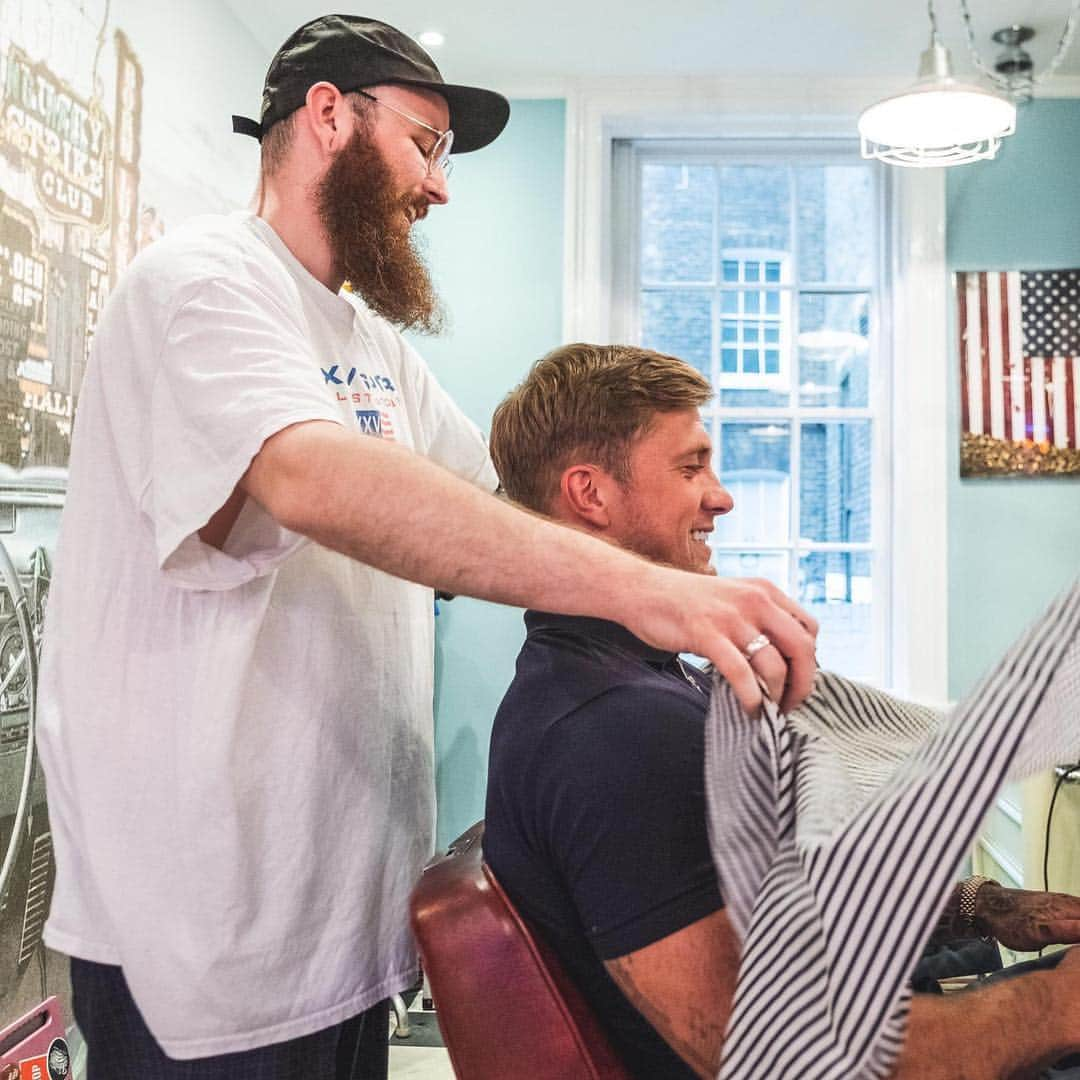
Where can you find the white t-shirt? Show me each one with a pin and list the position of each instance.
(238, 744)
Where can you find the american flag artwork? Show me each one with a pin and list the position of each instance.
(1019, 372)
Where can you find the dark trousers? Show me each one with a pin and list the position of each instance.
(120, 1046)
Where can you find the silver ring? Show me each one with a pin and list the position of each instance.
(755, 646)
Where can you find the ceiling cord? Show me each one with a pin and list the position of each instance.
(1003, 81)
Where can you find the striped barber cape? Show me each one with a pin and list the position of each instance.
(837, 831)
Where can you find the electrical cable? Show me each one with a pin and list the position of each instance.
(1069, 770)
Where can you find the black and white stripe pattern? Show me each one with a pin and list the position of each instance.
(836, 834)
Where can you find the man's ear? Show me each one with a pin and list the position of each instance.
(585, 491)
(325, 110)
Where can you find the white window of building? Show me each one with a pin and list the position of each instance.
(761, 264)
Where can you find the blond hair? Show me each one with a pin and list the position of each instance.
(585, 402)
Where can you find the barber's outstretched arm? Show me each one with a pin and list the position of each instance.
(392, 509)
(684, 985)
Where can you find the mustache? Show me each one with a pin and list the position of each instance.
(368, 227)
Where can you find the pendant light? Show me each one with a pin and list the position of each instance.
(938, 121)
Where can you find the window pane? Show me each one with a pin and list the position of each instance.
(834, 487)
(752, 399)
(773, 363)
(836, 224)
(727, 250)
(771, 565)
(834, 349)
(677, 212)
(755, 210)
(754, 464)
(679, 323)
(835, 587)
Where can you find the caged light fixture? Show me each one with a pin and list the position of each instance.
(938, 121)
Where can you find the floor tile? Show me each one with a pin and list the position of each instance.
(419, 1063)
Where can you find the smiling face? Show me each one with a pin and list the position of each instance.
(666, 510)
(404, 144)
(374, 189)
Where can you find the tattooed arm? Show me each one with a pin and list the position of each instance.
(683, 985)
(1020, 919)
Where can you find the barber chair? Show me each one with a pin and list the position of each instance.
(506, 1008)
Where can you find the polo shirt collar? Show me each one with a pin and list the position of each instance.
(603, 630)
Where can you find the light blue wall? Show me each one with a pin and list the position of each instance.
(498, 249)
(1013, 543)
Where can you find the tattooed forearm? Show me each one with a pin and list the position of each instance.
(1018, 918)
(1027, 920)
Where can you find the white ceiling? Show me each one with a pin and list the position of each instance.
(518, 48)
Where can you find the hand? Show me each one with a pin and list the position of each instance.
(1026, 921)
(717, 618)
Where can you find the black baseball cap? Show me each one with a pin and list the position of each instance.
(352, 51)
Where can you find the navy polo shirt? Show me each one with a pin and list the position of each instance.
(595, 823)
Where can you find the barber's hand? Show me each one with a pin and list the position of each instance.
(723, 619)
(1026, 921)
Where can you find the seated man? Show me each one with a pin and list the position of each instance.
(596, 816)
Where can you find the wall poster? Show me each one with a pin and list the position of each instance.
(69, 174)
(1019, 372)
(70, 116)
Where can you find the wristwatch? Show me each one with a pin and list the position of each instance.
(968, 890)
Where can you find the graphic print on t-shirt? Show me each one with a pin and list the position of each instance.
(374, 398)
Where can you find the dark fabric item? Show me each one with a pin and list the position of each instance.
(121, 1047)
(595, 817)
(1025, 967)
(965, 956)
(352, 52)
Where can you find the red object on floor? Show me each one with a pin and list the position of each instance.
(34, 1047)
(504, 1004)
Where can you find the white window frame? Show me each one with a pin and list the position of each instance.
(916, 534)
(628, 284)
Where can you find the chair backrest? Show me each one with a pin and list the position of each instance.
(506, 1008)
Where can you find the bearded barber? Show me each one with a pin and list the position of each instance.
(266, 482)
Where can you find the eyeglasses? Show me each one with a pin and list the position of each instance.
(438, 157)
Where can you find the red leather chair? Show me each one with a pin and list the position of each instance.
(506, 1008)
